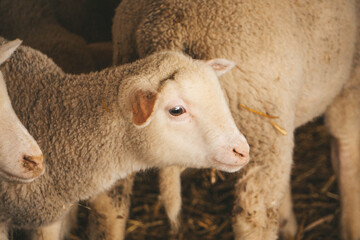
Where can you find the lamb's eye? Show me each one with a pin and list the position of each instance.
(177, 111)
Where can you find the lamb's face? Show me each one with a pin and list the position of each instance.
(192, 125)
(20, 156)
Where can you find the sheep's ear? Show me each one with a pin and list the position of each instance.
(142, 106)
(7, 49)
(220, 65)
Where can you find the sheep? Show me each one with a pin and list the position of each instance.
(21, 159)
(294, 61)
(35, 23)
(97, 128)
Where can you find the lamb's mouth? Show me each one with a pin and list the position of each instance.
(231, 167)
(13, 177)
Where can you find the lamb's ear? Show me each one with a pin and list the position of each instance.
(142, 106)
(7, 49)
(220, 65)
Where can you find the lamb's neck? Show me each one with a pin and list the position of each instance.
(90, 132)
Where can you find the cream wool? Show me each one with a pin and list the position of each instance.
(88, 146)
(293, 58)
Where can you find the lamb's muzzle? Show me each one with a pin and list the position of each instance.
(232, 157)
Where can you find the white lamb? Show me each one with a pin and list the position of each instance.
(20, 157)
(97, 128)
(295, 61)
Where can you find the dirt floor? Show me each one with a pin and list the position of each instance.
(207, 207)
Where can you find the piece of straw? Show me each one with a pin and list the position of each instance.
(104, 105)
(257, 112)
(275, 125)
(213, 176)
(318, 222)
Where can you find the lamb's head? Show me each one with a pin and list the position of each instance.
(182, 118)
(20, 156)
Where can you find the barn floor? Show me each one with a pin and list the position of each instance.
(207, 207)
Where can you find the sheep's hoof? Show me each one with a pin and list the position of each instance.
(288, 228)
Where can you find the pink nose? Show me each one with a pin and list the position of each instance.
(242, 153)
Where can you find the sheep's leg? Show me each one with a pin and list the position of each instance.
(57, 230)
(263, 182)
(343, 120)
(49, 232)
(288, 225)
(170, 191)
(69, 221)
(109, 212)
(4, 231)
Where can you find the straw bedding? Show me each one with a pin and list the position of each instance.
(207, 207)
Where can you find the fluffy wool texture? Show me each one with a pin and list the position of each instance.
(293, 58)
(34, 21)
(83, 124)
(64, 113)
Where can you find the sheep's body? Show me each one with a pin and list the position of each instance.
(275, 33)
(20, 156)
(35, 22)
(293, 59)
(84, 124)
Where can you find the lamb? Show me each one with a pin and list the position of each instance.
(99, 127)
(294, 61)
(21, 159)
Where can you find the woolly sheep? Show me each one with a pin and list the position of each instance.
(35, 23)
(20, 156)
(294, 61)
(97, 128)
